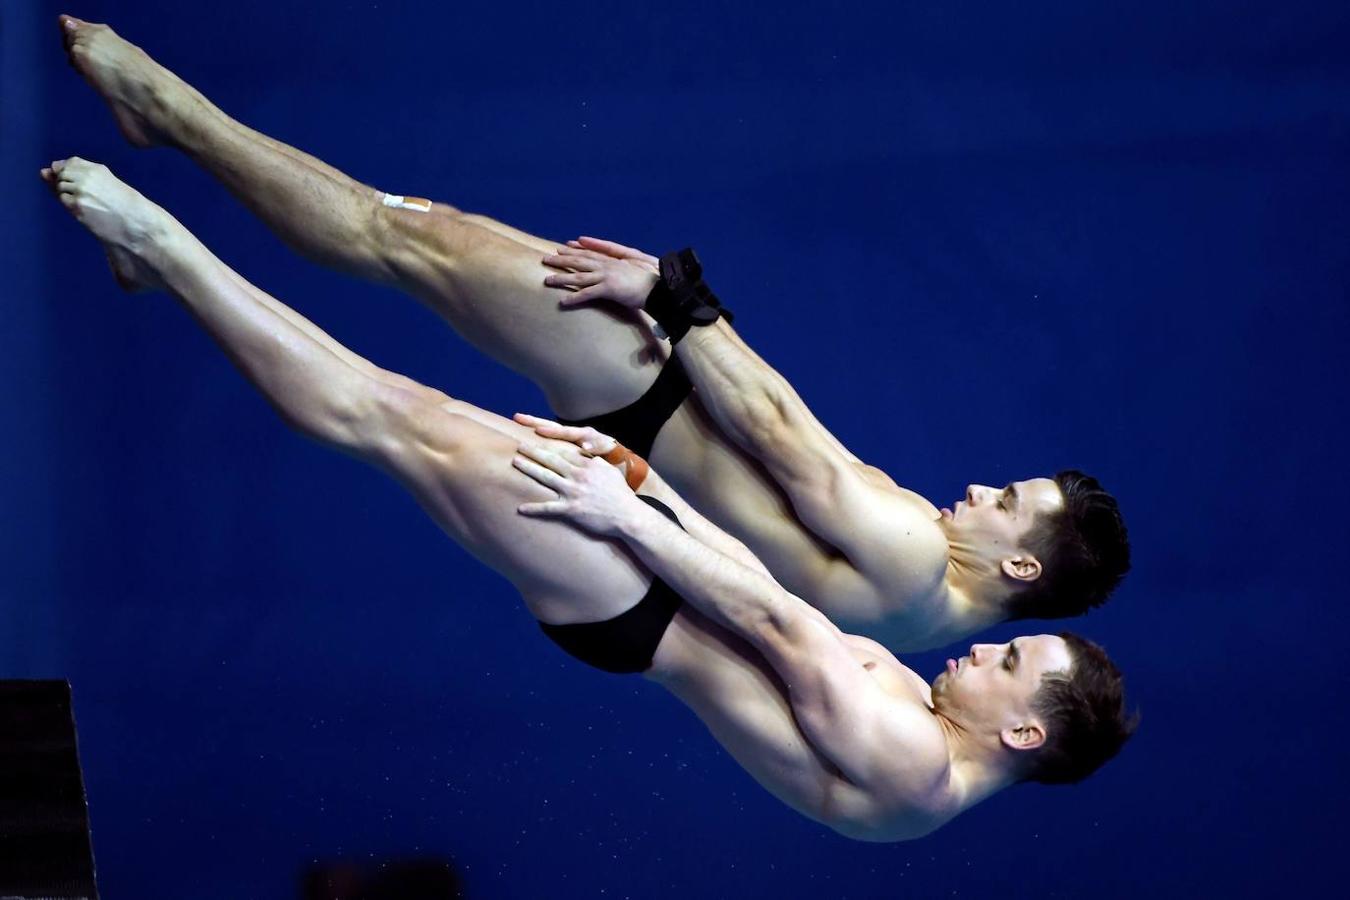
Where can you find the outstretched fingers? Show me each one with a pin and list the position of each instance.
(574, 279)
(552, 471)
(616, 250)
(554, 461)
(584, 436)
(568, 259)
(534, 421)
(582, 276)
(543, 508)
(547, 427)
(542, 474)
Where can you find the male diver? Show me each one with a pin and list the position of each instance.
(830, 723)
(743, 447)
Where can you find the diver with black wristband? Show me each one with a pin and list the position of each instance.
(681, 299)
(713, 417)
(954, 571)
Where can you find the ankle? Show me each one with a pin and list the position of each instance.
(162, 244)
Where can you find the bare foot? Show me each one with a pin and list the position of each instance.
(140, 92)
(118, 215)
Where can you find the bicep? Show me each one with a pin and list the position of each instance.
(881, 744)
(883, 536)
(835, 701)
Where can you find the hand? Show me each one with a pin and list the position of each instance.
(591, 442)
(591, 493)
(603, 270)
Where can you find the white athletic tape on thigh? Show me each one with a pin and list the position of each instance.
(417, 204)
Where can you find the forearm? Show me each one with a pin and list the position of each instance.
(741, 392)
(748, 398)
(832, 698)
(746, 601)
(310, 387)
(698, 526)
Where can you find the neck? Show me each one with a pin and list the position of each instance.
(976, 592)
(979, 764)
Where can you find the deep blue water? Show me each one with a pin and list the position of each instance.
(984, 241)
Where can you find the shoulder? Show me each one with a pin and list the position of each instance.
(897, 513)
(910, 744)
(891, 582)
(922, 768)
(907, 552)
(910, 793)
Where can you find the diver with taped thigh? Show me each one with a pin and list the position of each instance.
(722, 425)
(830, 723)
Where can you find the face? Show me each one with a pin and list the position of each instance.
(990, 525)
(990, 690)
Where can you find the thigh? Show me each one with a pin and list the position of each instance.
(457, 464)
(738, 494)
(487, 280)
(542, 246)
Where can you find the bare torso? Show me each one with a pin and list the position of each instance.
(905, 607)
(457, 463)
(747, 708)
(486, 279)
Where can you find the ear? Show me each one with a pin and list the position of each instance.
(1021, 568)
(1027, 736)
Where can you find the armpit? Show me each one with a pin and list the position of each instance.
(876, 477)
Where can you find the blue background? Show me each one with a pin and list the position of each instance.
(983, 240)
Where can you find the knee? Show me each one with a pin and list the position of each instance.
(477, 220)
(413, 220)
(411, 386)
(391, 423)
(415, 245)
(417, 422)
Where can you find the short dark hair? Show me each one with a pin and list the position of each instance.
(1083, 712)
(1084, 552)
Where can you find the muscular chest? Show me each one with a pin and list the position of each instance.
(895, 678)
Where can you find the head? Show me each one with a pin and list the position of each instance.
(1052, 705)
(1055, 547)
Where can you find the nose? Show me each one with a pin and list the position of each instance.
(976, 651)
(975, 493)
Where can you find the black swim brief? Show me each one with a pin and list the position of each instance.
(626, 643)
(636, 425)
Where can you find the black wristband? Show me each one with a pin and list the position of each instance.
(681, 299)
